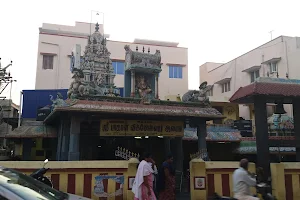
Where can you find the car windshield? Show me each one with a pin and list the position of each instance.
(27, 187)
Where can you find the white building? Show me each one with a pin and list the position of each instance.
(56, 43)
(279, 57)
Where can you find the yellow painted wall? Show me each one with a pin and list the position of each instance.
(198, 168)
(38, 146)
(79, 168)
(18, 149)
(286, 174)
(230, 110)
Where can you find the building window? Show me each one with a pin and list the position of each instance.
(254, 75)
(273, 67)
(226, 87)
(210, 92)
(118, 67)
(48, 61)
(175, 72)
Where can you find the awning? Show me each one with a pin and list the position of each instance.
(249, 147)
(272, 60)
(32, 129)
(222, 81)
(214, 133)
(251, 69)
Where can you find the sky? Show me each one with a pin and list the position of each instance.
(212, 30)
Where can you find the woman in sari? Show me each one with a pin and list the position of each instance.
(166, 180)
(143, 182)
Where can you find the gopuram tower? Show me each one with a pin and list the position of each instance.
(95, 75)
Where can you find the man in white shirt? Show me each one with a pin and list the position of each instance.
(242, 181)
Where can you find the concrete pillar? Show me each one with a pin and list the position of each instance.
(201, 133)
(65, 140)
(27, 145)
(179, 154)
(132, 83)
(156, 86)
(296, 114)
(131, 172)
(278, 180)
(59, 141)
(198, 170)
(74, 139)
(262, 136)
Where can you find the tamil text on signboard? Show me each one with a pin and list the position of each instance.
(141, 128)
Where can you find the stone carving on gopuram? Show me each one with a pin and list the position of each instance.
(198, 96)
(95, 76)
(135, 59)
(60, 102)
(144, 68)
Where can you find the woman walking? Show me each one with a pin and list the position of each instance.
(143, 182)
(166, 180)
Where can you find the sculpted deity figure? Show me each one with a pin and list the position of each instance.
(197, 95)
(143, 88)
(74, 86)
(111, 93)
(202, 94)
(58, 102)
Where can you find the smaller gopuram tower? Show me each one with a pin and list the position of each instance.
(141, 74)
(95, 75)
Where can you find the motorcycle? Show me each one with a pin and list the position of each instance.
(39, 175)
(263, 192)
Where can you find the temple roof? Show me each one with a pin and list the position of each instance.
(249, 147)
(220, 133)
(32, 129)
(271, 88)
(292, 138)
(138, 109)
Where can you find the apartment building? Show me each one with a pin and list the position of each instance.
(279, 57)
(56, 43)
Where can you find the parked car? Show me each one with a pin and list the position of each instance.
(15, 185)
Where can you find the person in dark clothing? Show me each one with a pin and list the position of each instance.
(166, 180)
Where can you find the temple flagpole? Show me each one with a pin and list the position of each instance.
(97, 13)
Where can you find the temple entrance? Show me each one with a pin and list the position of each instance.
(95, 147)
